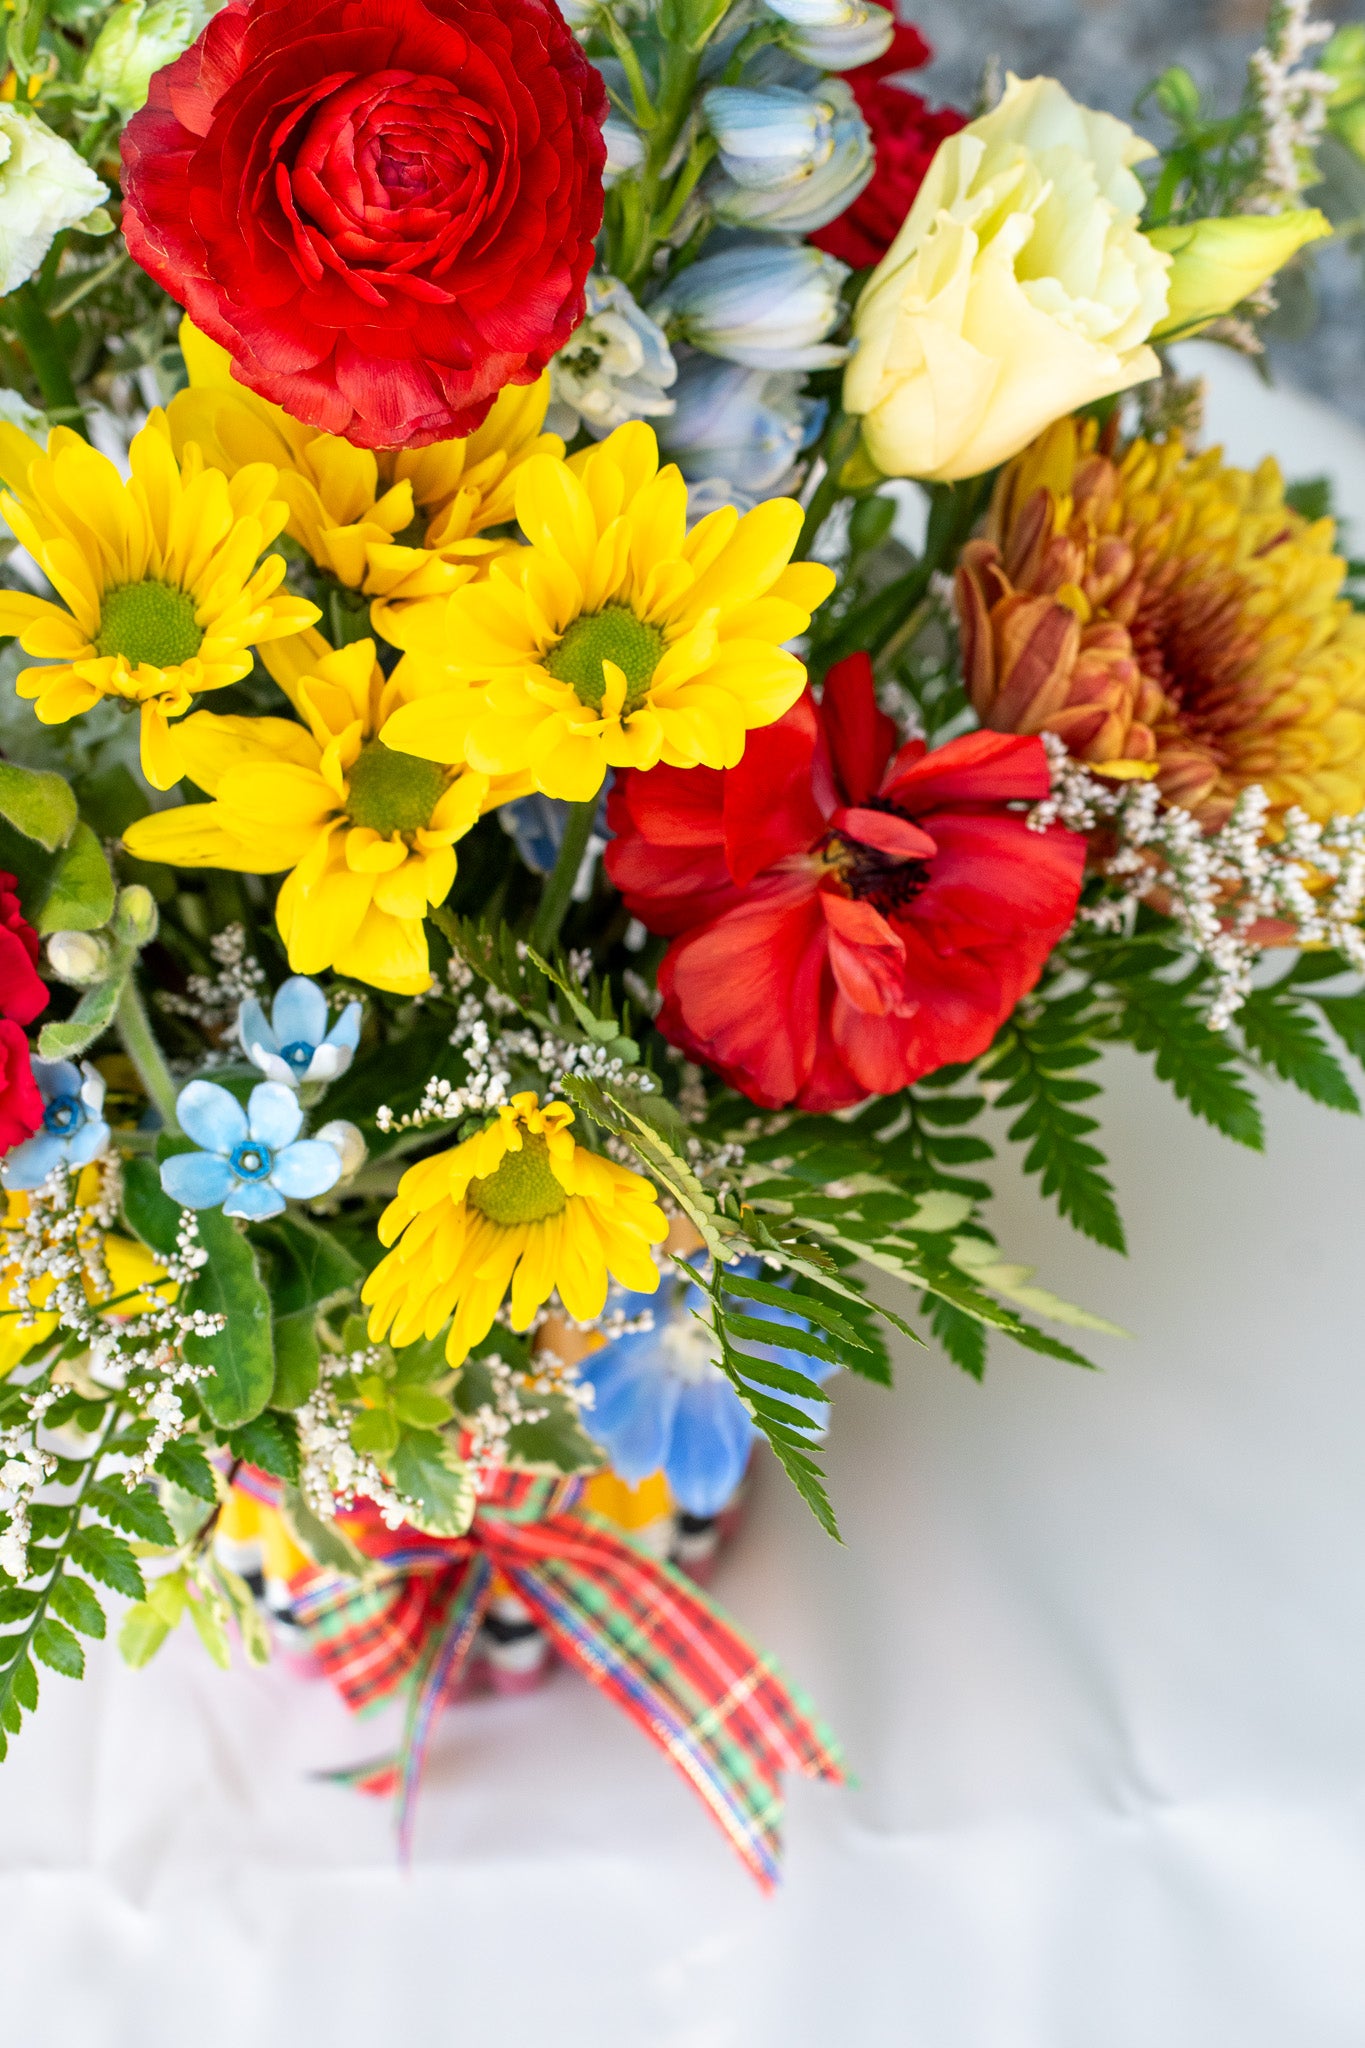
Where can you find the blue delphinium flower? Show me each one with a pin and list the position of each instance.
(295, 1045)
(73, 1129)
(251, 1158)
(661, 1400)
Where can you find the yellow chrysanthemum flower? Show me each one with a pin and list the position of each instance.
(117, 1270)
(163, 595)
(616, 638)
(1167, 615)
(368, 832)
(520, 1204)
(402, 524)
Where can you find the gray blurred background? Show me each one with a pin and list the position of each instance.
(1105, 52)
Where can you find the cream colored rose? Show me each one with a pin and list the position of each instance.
(1018, 288)
(44, 187)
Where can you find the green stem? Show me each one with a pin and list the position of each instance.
(139, 1042)
(841, 438)
(47, 358)
(558, 894)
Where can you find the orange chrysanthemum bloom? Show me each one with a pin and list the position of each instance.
(1166, 615)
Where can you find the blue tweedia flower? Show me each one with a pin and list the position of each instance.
(73, 1130)
(295, 1045)
(251, 1158)
(661, 1400)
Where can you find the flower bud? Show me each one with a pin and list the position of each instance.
(78, 958)
(745, 427)
(768, 306)
(793, 161)
(137, 40)
(835, 35)
(137, 917)
(45, 187)
(348, 1143)
(1218, 263)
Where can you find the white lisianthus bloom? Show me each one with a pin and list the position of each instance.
(44, 187)
(615, 366)
(137, 40)
(1019, 288)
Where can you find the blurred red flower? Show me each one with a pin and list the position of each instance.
(383, 209)
(21, 1106)
(22, 994)
(905, 131)
(847, 917)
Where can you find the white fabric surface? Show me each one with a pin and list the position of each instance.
(1094, 1646)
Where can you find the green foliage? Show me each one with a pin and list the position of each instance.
(1036, 1056)
(80, 895)
(241, 1355)
(1279, 1032)
(37, 804)
(1165, 1017)
(270, 1441)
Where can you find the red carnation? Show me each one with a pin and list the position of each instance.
(849, 917)
(905, 131)
(383, 209)
(22, 994)
(21, 1106)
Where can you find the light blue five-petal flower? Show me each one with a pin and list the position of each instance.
(73, 1130)
(294, 1045)
(251, 1158)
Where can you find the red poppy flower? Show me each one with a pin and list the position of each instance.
(905, 132)
(22, 994)
(383, 209)
(848, 917)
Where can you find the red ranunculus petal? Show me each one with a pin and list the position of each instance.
(21, 1105)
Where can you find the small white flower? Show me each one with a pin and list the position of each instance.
(615, 366)
(44, 188)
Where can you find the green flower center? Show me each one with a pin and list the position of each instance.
(611, 635)
(149, 622)
(523, 1190)
(393, 792)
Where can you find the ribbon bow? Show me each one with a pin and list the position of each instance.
(718, 1708)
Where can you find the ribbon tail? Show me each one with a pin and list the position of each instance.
(439, 1664)
(379, 1779)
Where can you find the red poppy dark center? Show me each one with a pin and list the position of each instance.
(879, 875)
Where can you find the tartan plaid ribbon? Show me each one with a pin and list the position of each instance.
(720, 1710)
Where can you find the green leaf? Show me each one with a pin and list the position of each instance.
(16, 1604)
(209, 1615)
(74, 1601)
(1035, 1057)
(419, 1408)
(80, 896)
(106, 1557)
(961, 1335)
(184, 1464)
(622, 1112)
(428, 1470)
(982, 1263)
(808, 1303)
(311, 1266)
(142, 1634)
(270, 1441)
(250, 1626)
(92, 1016)
(296, 1358)
(784, 1336)
(762, 1372)
(38, 804)
(137, 1513)
(1346, 1015)
(1280, 1033)
(374, 1432)
(242, 1356)
(1161, 1018)
(147, 1208)
(323, 1541)
(56, 1647)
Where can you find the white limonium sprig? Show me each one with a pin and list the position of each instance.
(1291, 99)
(333, 1474)
(1218, 887)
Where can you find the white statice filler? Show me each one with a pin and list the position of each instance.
(44, 188)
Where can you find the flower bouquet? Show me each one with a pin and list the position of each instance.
(684, 645)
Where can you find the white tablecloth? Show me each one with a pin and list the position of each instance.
(1096, 1647)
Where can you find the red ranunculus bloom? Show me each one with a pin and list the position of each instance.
(905, 131)
(848, 917)
(383, 209)
(21, 1106)
(22, 994)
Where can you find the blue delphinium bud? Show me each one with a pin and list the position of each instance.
(768, 305)
(791, 160)
(835, 35)
(742, 427)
